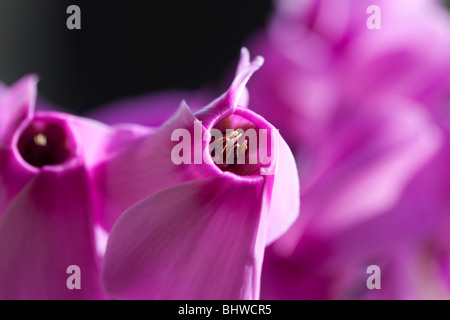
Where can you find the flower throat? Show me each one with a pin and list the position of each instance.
(45, 143)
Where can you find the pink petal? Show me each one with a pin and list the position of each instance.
(98, 142)
(228, 102)
(244, 62)
(13, 177)
(285, 201)
(144, 168)
(197, 240)
(372, 161)
(16, 104)
(47, 228)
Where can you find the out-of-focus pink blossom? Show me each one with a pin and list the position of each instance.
(48, 214)
(363, 111)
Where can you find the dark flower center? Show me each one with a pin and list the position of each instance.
(45, 143)
(234, 146)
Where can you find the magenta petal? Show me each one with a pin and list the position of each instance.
(47, 228)
(228, 102)
(245, 70)
(98, 142)
(16, 104)
(142, 169)
(375, 165)
(244, 63)
(285, 201)
(197, 240)
(13, 177)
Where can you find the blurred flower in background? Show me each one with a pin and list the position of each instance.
(47, 219)
(366, 113)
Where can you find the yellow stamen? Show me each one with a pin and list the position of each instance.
(229, 146)
(242, 148)
(40, 140)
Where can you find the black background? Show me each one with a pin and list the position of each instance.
(124, 48)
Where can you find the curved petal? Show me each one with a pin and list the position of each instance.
(13, 177)
(197, 240)
(371, 169)
(99, 142)
(228, 102)
(285, 200)
(145, 167)
(16, 104)
(244, 62)
(47, 228)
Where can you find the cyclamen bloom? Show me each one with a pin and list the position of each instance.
(200, 231)
(46, 221)
(48, 214)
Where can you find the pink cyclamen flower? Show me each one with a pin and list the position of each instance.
(199, 230)
(47, 210)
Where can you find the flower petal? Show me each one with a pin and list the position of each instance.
(144, 168)
(197, 240)
(47, 228)
(228, 102)
(97, 141)
(16, 104)
(13, 177)
(285, 201)
(359, 176)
